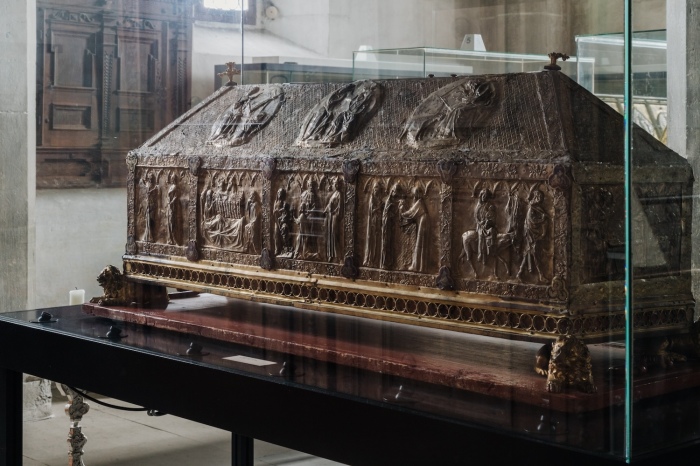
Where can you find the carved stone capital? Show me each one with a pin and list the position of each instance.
(558, 289)
(265, 259)
(350, 170)
(194, 164)
(192, 253)
(268, 167)
(349, 269)
(131, 246)
(444, 279)
(447, 170)
(131, 161)
(559, 178)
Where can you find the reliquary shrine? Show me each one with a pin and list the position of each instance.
(488, 204)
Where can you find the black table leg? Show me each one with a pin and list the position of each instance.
(241, 450)
(11, 418)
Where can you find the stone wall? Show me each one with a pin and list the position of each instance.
(17, 153)
(78, 232)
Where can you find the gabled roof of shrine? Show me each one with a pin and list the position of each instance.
(521, 117)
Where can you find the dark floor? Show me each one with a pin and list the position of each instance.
(116, 437)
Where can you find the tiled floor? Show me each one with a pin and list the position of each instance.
(119, 438)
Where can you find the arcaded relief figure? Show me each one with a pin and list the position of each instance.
(247, 116)
(284, 219)
(390, 215)
(490, 246)
(418, 216)
(149, 206)
(534, 231)
(374, 226)
(307, 244)
(333, 223)
(340, 115)
(485, 218)
(231, 215)
(170, 209)
(449, 115)
(252, 229)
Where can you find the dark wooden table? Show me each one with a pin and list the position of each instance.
(352, 390)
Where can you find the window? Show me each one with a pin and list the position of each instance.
(225, 4)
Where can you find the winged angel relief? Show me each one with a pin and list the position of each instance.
(247, 116)
(447, 116)
(338, 117)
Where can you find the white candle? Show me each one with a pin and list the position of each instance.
(76, 296)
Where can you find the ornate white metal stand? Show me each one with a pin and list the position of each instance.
(75, 409)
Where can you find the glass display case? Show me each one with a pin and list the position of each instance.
(604, 75)
(495, 238)
(424, 61)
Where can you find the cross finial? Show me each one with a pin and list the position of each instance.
(553, 57)
(231, 71)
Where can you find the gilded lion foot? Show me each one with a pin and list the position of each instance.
(567, 363)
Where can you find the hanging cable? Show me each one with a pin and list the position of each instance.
(150, 412)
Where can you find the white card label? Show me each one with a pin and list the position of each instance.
(251, 361)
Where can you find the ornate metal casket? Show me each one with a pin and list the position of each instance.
(488, 204)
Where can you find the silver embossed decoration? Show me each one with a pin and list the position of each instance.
(448, 116)
(248, 115)
(340, 115)
(492, 204)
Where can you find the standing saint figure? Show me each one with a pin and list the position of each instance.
(374, 225)
(485, 216)
(418, 215)
(333, 223)
(283, 223)
(150, 206)
(253, 213)
(170, 208)
(305, 247)
(535, 228)
(389, 216)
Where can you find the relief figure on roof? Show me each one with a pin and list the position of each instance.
(447, 116)
(339, 116)
(247, 116)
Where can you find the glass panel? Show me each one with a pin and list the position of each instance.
(419, 168)
(662, 218)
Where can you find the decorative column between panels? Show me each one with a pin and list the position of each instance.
(194, 163)
(350, 170)
(447, 169)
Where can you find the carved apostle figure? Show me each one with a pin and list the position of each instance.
(333, 223)
(418, 215)
(247, 116)
(449, 115)
(252, 228)
(534, 230)
(389, 217)
(374, 225)
(306, 242)
(339, 116)
(283, 223)
(485, 217)
(150, 206)
(170, 205)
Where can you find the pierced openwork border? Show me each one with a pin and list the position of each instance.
(468, 318)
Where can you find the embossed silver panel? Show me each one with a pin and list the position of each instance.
(490, 204)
